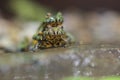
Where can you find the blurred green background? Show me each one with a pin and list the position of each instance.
(28, 9)
(23, 9)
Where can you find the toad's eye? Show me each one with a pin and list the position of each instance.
(51, 20)
(59, 19)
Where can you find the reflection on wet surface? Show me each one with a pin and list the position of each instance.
(55, 64)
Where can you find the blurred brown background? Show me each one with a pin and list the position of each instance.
(82, 4)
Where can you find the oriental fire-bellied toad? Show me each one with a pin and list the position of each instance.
(51, 33)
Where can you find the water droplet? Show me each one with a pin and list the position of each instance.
(92, 65)
(46, 76)
(109, 52)
(76, 62)
(118, 50)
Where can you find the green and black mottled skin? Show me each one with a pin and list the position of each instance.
(50, 33)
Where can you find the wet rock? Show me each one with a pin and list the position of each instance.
(52, 64)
